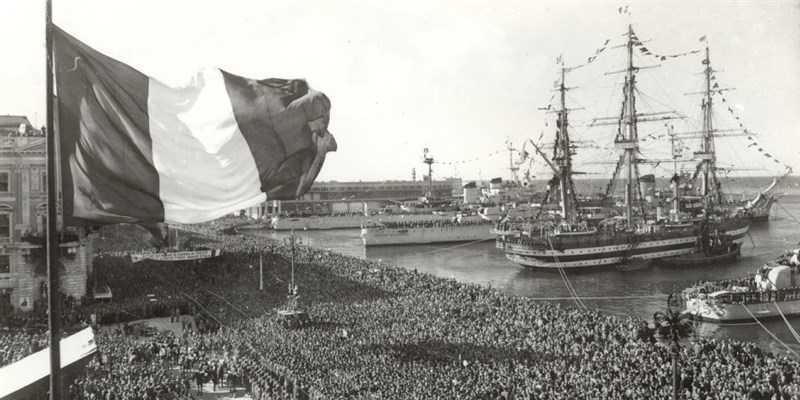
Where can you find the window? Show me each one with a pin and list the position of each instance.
(5, 264)
(5, 228)
(5, 181)
(36, 179)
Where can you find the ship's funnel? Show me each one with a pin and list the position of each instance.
(647, 184)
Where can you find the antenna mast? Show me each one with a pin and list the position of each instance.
(429, 160)
(511, 166)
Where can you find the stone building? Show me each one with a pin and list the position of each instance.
(23, 223)
(340, 197)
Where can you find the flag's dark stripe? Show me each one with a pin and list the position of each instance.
(107, 158)
(277, 133)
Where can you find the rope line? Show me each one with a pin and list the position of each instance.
(229, 303)
(565, 278)
(769, 332)
(791, 329)
(451, 247)
(788, 213)
(210, 314)
(599, 297)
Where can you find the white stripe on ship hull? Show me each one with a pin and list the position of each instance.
(737, 232)
(520, 248)
(533, 262)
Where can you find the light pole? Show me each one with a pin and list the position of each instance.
(678, 326)
(292, 241)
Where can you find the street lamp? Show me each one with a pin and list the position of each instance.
(678, 326)
(292, 241)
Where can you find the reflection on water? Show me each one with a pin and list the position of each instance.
(639, 293)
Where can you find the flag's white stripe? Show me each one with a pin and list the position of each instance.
(20, 374)
(205, 167)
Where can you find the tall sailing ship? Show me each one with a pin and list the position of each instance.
(722, 229)
(571, 242)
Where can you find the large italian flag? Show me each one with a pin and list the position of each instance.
(136, 150)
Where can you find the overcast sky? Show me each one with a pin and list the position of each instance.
(458, 78)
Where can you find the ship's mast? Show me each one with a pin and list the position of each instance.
(563, 157)
(707, 155)
(627, 136)
(561, 163)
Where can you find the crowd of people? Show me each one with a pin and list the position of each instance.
(380, 331)
(440, 223)
(15, 346)
(316, 213)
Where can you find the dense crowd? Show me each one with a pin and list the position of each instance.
(15, 346)
(307, 214)
(441, 223)
(379, 331)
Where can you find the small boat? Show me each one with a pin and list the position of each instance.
(632, 265)
(773, 292)
(713, 257)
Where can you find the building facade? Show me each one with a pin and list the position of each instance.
(388, 190)
(348, 197)
(23, 223)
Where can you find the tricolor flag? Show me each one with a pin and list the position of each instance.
(136, 150)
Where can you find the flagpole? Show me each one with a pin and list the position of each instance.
(54, 299)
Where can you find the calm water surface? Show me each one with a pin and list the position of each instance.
(639, 293)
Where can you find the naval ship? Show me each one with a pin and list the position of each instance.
(772, 292)
(633, 236)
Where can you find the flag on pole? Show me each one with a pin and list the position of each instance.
(136, 150)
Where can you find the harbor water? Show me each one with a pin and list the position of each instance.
(639, 293)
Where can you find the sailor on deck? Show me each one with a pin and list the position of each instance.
(795, 260)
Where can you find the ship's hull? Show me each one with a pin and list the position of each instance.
(381, 236)
(347, 221)
(703, 311)
(695, 259)
(761, 214)
(600, 249)
(733, 230)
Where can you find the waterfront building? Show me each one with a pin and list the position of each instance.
(23, 223)
(348, 197)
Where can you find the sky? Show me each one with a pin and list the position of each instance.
(460, 78)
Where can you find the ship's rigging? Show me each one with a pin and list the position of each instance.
(655, 144)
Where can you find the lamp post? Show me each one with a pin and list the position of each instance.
(678, 326)
(292, 241)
